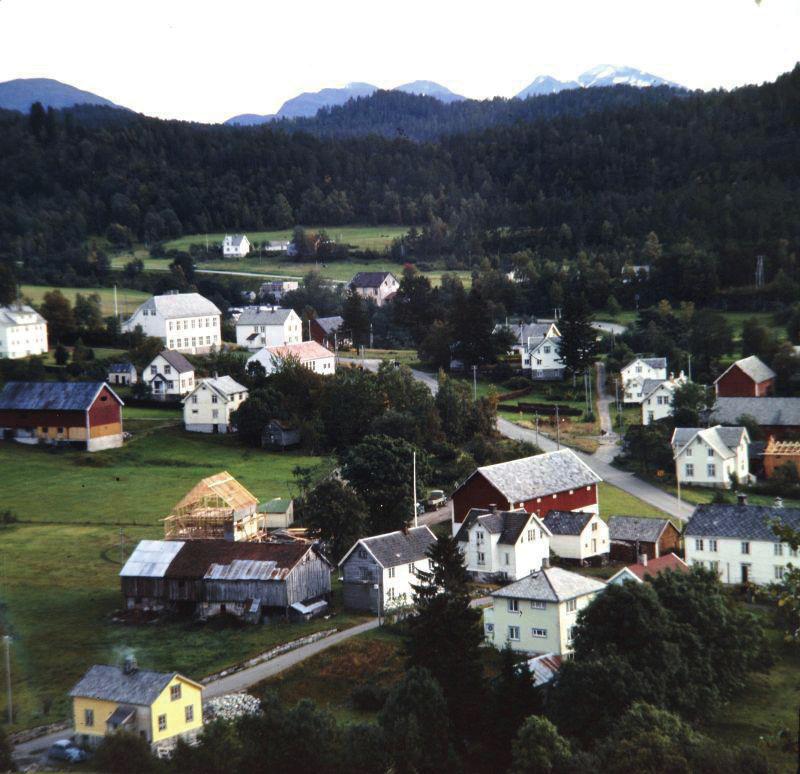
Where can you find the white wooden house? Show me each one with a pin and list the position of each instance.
(377, 572)
(712, 456)
(23, 332)
(503, 545)
(308, 353)
(579, 536)
(637, 371)
(208, 408)
(235, 246)
(377, 286)
(543, 358)
(169, 376)
(259, 328)
(538, 613)
(185, 322)
(738, 542)
(657, 397)
(123, 374)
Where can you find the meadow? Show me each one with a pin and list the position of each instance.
(127, 300)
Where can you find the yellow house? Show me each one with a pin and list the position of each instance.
(537, 614)
(159, 706)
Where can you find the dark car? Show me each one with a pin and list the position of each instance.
(66, 750)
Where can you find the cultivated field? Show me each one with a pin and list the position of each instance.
(127, 300)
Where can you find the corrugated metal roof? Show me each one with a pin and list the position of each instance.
(544, 668)
(246, 569)
(51, 396)
(151, 558)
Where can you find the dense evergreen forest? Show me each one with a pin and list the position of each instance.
(717, 174)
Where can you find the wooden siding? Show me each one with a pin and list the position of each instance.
(737, 384)
(358, 590)
(30, 419)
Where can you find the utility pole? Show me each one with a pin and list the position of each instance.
(414, 476)
(7, 641)
(475, 382)
(558, 429)
(690, 366)
(537, 428)
(116, 309)
(616, 393)
(370, 336)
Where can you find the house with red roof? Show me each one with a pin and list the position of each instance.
(649, 568)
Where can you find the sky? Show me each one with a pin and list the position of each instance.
(206, 61)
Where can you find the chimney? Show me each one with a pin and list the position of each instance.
(672, 376)
(493, 507)
(741, 498)
(643, 560)
(129, 665)
(778, 502)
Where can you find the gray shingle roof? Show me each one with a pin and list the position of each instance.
(264, 317)
(755, 368)
(567, 522)
(723, 439)
(179, 305)
(507, 524)
(330, 324)
(747, 522)
(236, 239)
(120, 368)
(110, 683)
(551, 585)
(540, 475)
(369, 279)
(177, 361)
(634, 528)
(20, 314)
(51, 396)
(396, 548)
(779, 412)
(649, 385)
(653, 362)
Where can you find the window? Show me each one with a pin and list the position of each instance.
(537, 605)
(710, 452)
(513, 605)
(189, 713)
(778, 571)
(362, 553)
(214, 399)
(698, 544)
(711, 471)
(390, 572)
(745, 548)
(153, 370)
(88, 717)
(489, 627)
(167, 369)
(531, 534)
(215, 414)
(411, 568)
(174, 692)
(366, 574)
(712, 545)
(778, 549)
(479, 536)
(572, 605)
(714, 565)
(194, 398)
(689, 470)
(390, 594)
(689, 452)
(481, 558)
(594, 526)
(571, 633)
(538, 632)
(513, 633)
(507, 557)
(162, 722)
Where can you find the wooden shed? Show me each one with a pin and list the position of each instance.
(209, 577)
(278, 434)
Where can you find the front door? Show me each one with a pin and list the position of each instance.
(745, 573)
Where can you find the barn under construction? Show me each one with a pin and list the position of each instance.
(217, 508)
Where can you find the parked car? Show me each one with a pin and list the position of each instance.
(436, 499)
(66, 750)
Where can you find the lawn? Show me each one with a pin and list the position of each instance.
(705, 494)
(139, 483)
(60, 586)
(127, 300)
(616, 502)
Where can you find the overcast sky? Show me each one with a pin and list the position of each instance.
(207, 61)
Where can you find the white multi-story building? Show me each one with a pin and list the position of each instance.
(738, 542)
(308, 353)
(259, 328)
(538, 613)
(376, 286)
(208, 408)
(504, 545)
(637, 371)
(235, 246)
(657, 397)
(170, 375)
(185, 322)
(712, 456)
(23, 332)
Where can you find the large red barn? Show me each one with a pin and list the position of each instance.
(84, 414)
(746, 378)
(557, 480)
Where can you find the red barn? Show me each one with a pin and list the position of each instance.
(557, 480)
(84, 414)
(746, 378)
(327, 331)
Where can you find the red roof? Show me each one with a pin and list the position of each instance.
(657, 566)
(304, 351)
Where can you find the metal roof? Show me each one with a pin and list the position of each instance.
(567, 522)
(52, 396)
(745, 522)
(176, 360)
(544, 668)
(768, 412)
(632, 528)
(110, 683)
(264, 317)
(395, 548)
(151, 558)
(540, 475)
(551, 584)
(754, 367)
(246, 569)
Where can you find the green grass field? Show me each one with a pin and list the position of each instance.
(127, 300)
(616, 502)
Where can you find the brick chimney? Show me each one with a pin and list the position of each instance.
(643, 560)
(741, 498)
(493, 507)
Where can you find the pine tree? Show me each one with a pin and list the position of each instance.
(578, 347)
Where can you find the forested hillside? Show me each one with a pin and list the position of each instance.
(719, 169)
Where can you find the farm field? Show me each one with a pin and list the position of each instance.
(127, 300)
(139, 483)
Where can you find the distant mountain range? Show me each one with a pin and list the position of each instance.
(21, 93)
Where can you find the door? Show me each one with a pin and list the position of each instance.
(215, 428)
(594, 545)
(745, 573)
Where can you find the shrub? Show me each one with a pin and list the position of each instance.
(368, 697)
